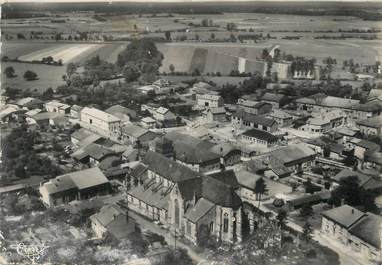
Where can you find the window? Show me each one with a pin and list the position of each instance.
(225, 223)
(211, 228)
(90, 121)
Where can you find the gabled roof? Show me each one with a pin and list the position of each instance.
(134, 130)
(80, 179)
(292, 153)
(261, 135)
(121, 109)
(99, 114)
(375, 122)
(201, 208)
(219, 193)
(168, 168)
(344, 215)
(250, 117)
(273, 97)
(368, 229)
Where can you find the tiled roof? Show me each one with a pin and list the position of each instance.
(375, 122)
(344, 215)
(292, 153)
(261, 135)
(228, 177)
(168, 168)
(273, 97)
(201, 208)
(368, 229)
(257, 119)
(99, 114)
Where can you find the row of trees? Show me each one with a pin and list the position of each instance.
(10, 72)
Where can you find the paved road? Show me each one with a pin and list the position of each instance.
(146, 224)
(346, 255)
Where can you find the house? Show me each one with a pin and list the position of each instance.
(130, 154)
(260, 138)
(6, 113)
(209, 101)
(296, 157)
(58, 107)
(29, 103)
(247, 183)
(162, 114)
(32, 112)
(96, 155)
(371, 126)
(134, 134)
(282, 118)
(249, 120)
(123, 113)
(216, 114)
(75, 111)
(322, 122)
(43, 119)
(79, 185)
(112, 220)
(148, 122)
(80, 135)
(359, 231)
(318, 101)
(363, 146)
(229, 154)
(320, 143)
(277, 100)
(254, 107)
(100, 120)
(369, 182)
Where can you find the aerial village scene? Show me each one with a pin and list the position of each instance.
(184, 133)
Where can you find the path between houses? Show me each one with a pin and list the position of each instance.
(146, 224)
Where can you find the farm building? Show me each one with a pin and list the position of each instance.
(259, 137)
(209, 101)
(249, 120)
(80, 185)
(58, 107)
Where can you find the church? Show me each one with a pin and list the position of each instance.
(184, 200)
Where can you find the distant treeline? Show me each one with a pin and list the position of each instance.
(366, 11)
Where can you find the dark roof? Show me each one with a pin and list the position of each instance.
(344, 215)
(368, 145)
(273, 97)
(98, 151)
(375, 122)
(367, 229)
(168, 168)
(250, 117)
(228, 177)
(260, 134)
(219, 193)
(120, 109)
(292, 153)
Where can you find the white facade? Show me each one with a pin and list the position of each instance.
(100, 119)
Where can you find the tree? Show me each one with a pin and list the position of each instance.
(260, 189)
(310, 187)
(168, 35)
(307, 232)
(48, 94)
(131, 73)
(71, 68)
(178, 257)
(326, 151)
(143, 54)
(281, 217)
(30, 76)
(20, 171)
(172, 68)
(9, 72)
(306, 210)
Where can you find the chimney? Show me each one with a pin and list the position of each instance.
(342, 202)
